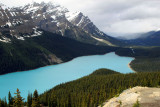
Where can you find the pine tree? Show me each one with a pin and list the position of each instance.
(0, 103)
(5, 102)
(53, 99)
(10, 99)
(18, 100)
(69, 101)
(29, 100)
(35, 100)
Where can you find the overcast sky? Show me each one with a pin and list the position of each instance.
(114, 17)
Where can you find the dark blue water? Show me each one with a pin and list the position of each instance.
(47, 77)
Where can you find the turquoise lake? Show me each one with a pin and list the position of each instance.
(47, 77)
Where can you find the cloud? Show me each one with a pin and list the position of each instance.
(134, 26)
(120, 17)
(114, 17)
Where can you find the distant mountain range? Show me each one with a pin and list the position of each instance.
(146, 39)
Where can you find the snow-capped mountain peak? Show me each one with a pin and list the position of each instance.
(18, 22)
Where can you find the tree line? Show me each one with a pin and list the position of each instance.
(93, 90)
(89, 91)
(18, 101)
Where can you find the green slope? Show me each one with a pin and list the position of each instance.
(147, 59)
(41, 51)
(93, 90)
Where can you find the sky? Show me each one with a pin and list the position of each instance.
(114, 17)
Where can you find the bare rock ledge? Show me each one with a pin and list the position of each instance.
(147, 97)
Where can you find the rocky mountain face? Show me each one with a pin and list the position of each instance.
(24, 22)
(13, 23)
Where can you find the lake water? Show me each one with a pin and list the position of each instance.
(46, 78)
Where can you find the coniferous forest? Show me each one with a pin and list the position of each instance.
(147, 59)
(38, 51)
(89, 91)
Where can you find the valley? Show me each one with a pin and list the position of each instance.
(55, 57)
(44, 50)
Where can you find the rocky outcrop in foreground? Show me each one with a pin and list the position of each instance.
(147, 97)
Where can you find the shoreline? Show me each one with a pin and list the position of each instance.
(63, 62)
(129, 65)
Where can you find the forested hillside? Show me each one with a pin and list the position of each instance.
(50, 48)
(146, 64)
(47, 49)
(147, 59)
(93, 90)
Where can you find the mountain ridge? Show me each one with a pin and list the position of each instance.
(147, 39)
(21, 21)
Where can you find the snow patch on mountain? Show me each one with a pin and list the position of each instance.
(36, 32)
(70, 15)
(5, 39)
(9, 24)
(32, 9)
(2, 6)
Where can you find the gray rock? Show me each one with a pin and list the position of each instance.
(147, 97)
